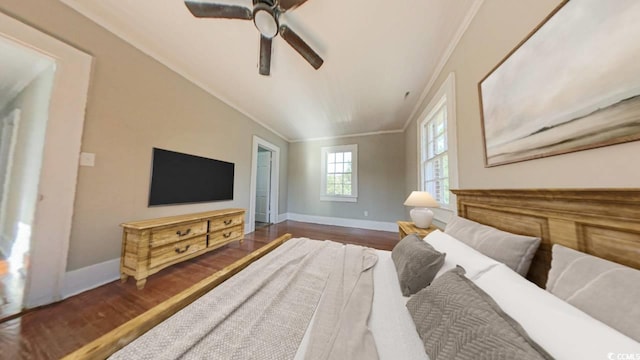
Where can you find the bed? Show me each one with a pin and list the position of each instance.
(604, 223)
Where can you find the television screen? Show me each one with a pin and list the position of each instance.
(178, 178)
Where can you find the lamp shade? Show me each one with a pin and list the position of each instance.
(421, 199)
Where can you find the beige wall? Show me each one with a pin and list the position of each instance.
(380, 179)
(497, 28)
(134, 104)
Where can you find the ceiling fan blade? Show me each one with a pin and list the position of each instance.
(301, 47)
(209, 10)
(290, 4)
(265, 55)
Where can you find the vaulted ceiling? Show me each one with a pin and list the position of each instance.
(374, 51)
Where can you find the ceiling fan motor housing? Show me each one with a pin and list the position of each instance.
(265, 19)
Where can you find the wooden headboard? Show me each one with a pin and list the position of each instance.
(601, 222)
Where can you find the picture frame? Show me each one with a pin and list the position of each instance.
(572, 84)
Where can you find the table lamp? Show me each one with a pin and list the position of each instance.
(421, 200)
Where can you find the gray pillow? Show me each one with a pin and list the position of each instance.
(607, 291)
(417, 263)
(515, 251)
(457, 320)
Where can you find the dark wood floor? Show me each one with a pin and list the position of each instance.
(56, 330)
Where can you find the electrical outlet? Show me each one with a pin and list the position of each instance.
(366, 213)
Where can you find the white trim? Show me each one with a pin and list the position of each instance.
(348, 136)
(283, 217)
(275, 182)
(354, 223)
(90, 277)
(446, 91)
(140, 45)
(339, 198)
(58, 177)
(471, 14)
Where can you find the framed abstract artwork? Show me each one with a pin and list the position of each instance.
(572, 84)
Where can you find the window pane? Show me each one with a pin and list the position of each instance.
(339, 157)
(431, 187)
(330, 189)
(339, 167)
(330, 179)
(346, 190)
(446, 191)
(430, 131)
(331, 158)
(347, 179)
(347, 156)
(439, 125)
(331, 168)
(440, 144)
(430, 175)
(445, 165)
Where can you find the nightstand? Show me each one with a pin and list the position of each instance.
(407, 227)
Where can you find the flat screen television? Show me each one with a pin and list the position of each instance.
(178, 178)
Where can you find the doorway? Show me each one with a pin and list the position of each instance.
(25, 94)
(263, 187)
(45, 214)
(263, 204)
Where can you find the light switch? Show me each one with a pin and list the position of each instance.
(87, 159)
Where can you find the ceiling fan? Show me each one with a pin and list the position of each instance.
(265, 16)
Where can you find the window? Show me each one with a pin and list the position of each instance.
(339, 173)
(437, 159)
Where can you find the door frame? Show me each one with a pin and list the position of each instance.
(51, 230)
(275, 182)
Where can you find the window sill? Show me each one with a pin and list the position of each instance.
(339, 198)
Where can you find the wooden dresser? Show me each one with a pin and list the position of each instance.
(407, 227)
(149, 246)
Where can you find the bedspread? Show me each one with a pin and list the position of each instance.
(260, 313)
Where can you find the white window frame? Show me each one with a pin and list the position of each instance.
(446, 94)
(324, 151)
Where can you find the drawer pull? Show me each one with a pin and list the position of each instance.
(227, 234)
(180, 233)
(227, 222)
(180, 251)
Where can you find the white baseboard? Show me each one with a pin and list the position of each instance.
(90, 277)
(283, 217)
(355, 223)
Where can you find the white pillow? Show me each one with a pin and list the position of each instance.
(459, 253)
(561, 329)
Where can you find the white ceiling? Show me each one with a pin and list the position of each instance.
(374, 51)
(20, 65)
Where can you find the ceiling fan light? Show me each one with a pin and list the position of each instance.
(265, 23)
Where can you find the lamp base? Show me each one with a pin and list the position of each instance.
(422, 217)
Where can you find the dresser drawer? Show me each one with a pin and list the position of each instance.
(226, 222)
(164, 254)
(177, 233)
(225, 235)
